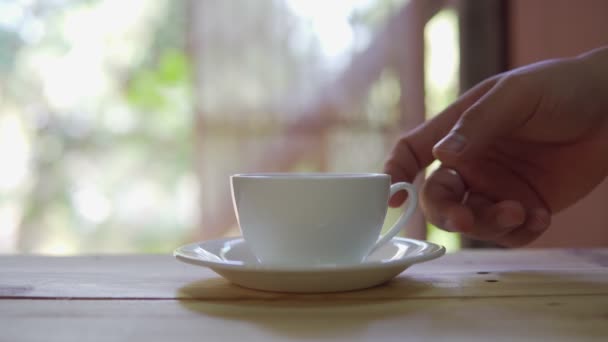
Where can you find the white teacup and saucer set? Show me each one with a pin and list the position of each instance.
(312, 233)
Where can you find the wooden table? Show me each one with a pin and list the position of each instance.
(544, 295)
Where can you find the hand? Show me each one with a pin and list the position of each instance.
(513, 150)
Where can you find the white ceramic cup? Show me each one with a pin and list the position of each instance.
(315, 219)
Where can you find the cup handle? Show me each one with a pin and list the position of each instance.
(412, 200)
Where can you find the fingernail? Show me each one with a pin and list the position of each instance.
(543, 219)
(452, 143)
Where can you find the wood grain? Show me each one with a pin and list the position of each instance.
(551, 318)
(500, 295)
(465, 274)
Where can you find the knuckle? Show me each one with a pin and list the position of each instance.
(472, 115)
(515, 82)
(403, 145)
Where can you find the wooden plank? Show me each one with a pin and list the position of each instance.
(549, 318)
(463, 274)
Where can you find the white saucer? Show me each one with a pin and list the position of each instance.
(232, 259)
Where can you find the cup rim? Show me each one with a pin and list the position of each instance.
(309, 175)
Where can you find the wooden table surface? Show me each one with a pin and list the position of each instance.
(541, 295)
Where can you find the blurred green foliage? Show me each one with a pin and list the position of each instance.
(147, 89)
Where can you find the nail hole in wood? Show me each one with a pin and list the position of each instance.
(483, 272)
(491, 281)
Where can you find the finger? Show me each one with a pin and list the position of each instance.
(441, 201)
(414, 151)
(494, 220)
(537, 222)
(403, 166)
(502, 109)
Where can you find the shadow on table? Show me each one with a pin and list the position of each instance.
(301, 315)
(449, 304)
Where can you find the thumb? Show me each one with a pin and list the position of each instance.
(502, 110)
